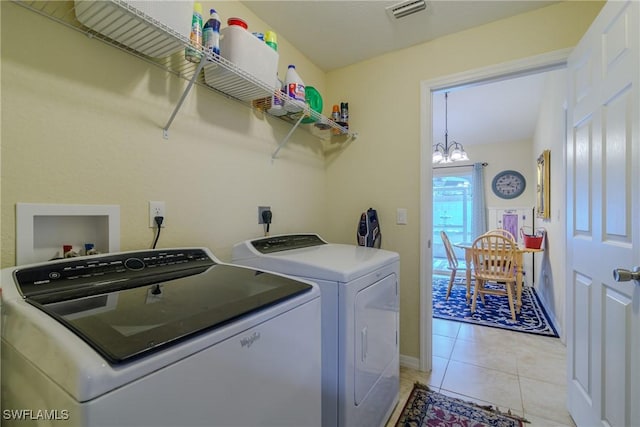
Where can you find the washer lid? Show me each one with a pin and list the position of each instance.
(125, 324)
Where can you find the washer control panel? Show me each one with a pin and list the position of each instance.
(103, 269)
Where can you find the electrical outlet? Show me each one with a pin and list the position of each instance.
(156, 209)
(260, 210)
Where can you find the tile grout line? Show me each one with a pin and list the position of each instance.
(517, 375)
(523, 370)
(520, 384)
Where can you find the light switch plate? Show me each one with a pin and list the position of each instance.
(401, 216)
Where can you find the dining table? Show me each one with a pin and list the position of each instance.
(520, 251)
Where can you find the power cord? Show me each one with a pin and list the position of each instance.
(158, 220)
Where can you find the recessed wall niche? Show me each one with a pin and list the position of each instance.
(42, 230)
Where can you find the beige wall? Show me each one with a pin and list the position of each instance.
(1, 215)
(81, 123)
(550, 135)
(514, 155)
(382, 167)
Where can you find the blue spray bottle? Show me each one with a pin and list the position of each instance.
(211, 33)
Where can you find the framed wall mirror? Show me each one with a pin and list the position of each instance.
(542, 189)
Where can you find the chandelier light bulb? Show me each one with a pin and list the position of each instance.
(437, 156)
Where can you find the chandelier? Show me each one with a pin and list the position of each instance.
(448, 152)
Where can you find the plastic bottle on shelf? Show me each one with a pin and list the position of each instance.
(295, 90)
(271, 40)
(335, 116)
(277, 102)
(193, 53)
(211, 33)
(344, 115)
(344, 112)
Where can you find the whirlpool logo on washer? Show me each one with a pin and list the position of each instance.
(248, 341)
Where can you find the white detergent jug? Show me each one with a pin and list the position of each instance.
(277, 100)
(294, 88)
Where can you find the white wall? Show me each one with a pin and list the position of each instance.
(550, 134)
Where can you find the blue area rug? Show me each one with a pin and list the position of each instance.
(495, 313)
(426, 408)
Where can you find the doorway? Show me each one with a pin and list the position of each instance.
(533, 65)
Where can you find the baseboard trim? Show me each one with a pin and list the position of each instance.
(542, 297)
(409, 362)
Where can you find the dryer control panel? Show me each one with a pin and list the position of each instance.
(286, 242)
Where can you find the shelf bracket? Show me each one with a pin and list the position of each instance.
(286, 138)
(196, 73)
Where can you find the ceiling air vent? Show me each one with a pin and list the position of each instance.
(406, 8)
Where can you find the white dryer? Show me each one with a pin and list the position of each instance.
(360, 320)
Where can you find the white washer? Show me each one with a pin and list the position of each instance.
(360, 320)
(158, 338)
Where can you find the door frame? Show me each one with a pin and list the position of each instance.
(536, 64)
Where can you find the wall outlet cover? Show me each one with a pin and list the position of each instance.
(260, 210)
(157, 209)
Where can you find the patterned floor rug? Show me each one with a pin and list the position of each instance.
(428, 408)
(495, 313)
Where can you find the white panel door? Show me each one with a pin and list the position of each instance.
(603, 220)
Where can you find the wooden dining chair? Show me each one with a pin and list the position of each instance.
(493, 258)
(453, 264)
(506, 233)
(502, 232)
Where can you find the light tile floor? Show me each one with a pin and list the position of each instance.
(511, 370)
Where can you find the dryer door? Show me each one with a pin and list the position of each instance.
(376, 341)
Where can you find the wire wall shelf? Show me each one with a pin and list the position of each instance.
(120, 25)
